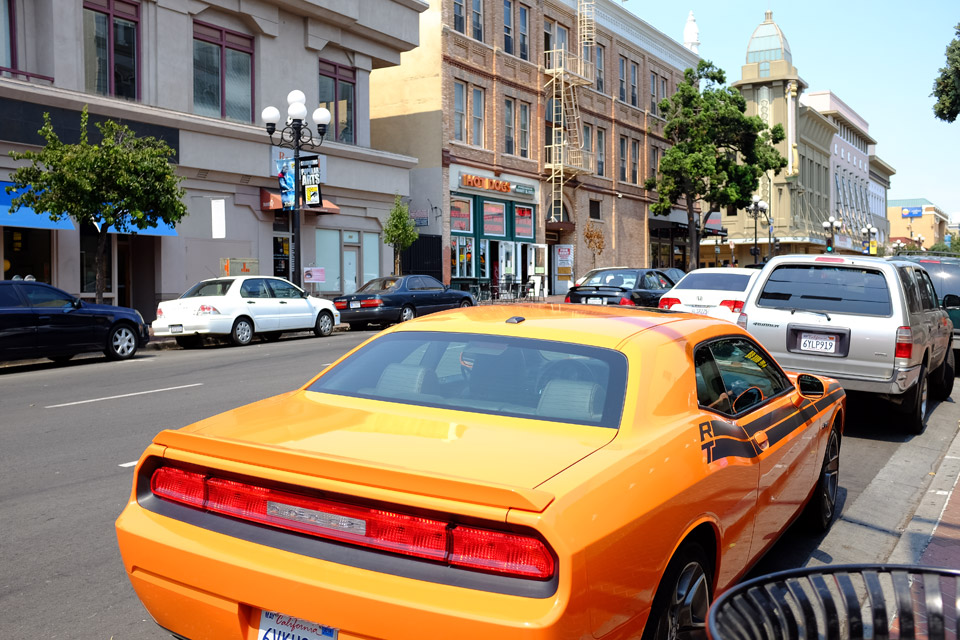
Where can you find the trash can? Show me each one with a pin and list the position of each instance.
(842, 602)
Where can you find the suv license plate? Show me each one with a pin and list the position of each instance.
(818, 343)
(594, 300)
(278, 626)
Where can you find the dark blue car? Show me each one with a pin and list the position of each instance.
(40, 321)
(391, 299)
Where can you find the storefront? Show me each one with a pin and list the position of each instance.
(670, 240)
(493, 223)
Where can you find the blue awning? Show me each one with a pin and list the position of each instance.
(26, 217)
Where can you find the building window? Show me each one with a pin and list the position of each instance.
(562, 37)
(463, 256)
(601, 151)
(633, 84)
(523, 31)
(594, 209)
(508, 26)
(459, 19)
(599, 65)
(476, 17)
(623, 79)
(764, 69)
(587, 138)
(222, 73)
(547, 36)
(508, 125)
(461, 215)
(524, 130)
(654, 161)
(8, 54)
(476, 113)
(459, 111)
(635, 161)
(338, 94)
(110, 57)
(623, 158)
(663, 88)
(653, 93)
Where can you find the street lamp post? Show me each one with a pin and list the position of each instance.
(758, 207)
(293, 136)
(898, 246)
(831, 225)
(868, 234)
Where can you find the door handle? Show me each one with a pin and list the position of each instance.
(283, 302)
(760, 438)
(251, 302)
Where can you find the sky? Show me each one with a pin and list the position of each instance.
(879, 57)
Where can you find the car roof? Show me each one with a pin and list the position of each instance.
(837, 259)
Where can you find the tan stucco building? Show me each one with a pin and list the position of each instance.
(917, 222)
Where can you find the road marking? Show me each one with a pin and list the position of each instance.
(125, 395)
(128, 464)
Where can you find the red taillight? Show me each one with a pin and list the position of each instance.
(159, 313)
(742, 321)
(736, 306)
(827, 259)
(340, 304)
(371, 302)
(627, 302)
(667, 303)
(566, 299)
(433, 539)
(207, 310)
(904, 343)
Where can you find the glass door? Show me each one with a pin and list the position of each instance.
(350, 255)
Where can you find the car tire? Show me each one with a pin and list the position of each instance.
(679, 608)
(822, 507)
(121, 342)
(324, 325)
(941, 380)
(189, 342)
(358, 326)
(242, 332)
(465, 303)
(915, 404)
(407, 313)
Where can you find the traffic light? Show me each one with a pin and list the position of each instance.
(830, 244)
(754, 251)
(776, 244)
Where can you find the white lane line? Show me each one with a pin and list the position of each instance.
(128, 464)
(125, 395)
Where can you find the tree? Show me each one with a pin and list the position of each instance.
(718, 152)
(400, 231)
(595, 240)
(124, 181)
(946, 87)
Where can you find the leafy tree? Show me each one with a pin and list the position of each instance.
(124, 181)
(595, 240)
(400, 231)
(943, 247)
(946, 87)
(718, 153)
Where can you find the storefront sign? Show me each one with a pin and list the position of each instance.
(314, 274)
(478, 182)
(460, 216)
(523, 222)
(494, 219)
(911, 212)
(420, 218)
(523, 190)
(310, 177)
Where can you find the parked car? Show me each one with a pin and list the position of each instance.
(945, 273)
(630, 287)
(382, 301)
(872, 324)
(41, 321)
(674, 274)
(718, 292)
(590, 274)
(242, 307)
(507, 471)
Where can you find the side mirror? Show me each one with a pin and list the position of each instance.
(810, 387)
(77, 303)
(951, 301)
(446, 287)
(747, 399)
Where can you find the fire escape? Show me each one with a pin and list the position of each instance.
(565, 156)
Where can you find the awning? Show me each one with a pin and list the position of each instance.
(26, 217)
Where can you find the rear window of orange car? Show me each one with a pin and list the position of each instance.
(537, 379)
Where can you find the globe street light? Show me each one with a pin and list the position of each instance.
(831, 225)
(293, 136)
(898, 246)
(756, 209)
(920, 240)
(868, 233)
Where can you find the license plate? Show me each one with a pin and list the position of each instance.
(276, 626)
(818, 342)
(354, 304)
(696, 308)
(176, 328)
(594, 300)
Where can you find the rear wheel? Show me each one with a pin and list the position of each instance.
(679, 610)
(941, 379)
(121, 343)
(242, 332)
(407, 313)
(324, 326)
(915, 404)
(821, 509)
(465, 303)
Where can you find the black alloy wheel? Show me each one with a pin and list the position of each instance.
(821, 510)
(679, 610)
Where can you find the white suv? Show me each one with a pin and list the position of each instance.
(873, 324)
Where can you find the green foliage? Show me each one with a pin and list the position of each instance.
(943, 247)
(400, 232)
(124, 181)
(718, 153)
(946, 87)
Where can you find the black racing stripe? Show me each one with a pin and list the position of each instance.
(724, 447)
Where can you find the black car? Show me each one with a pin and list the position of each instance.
(944, 270)
(398, 299)
(40, 321)
(631, 287)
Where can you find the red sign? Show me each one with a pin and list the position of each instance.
(523, 221)
(460, 216)
(494, 219)
(491, 184)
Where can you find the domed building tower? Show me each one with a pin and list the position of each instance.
(798, 197)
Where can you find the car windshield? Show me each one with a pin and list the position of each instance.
(379, 284)
(612, 278)
(209, 288)
(527, 378)
(715, 281)
(827, 288)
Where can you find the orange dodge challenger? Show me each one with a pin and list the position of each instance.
(521, 471)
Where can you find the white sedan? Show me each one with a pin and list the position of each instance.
(718, 292)
(241, 307)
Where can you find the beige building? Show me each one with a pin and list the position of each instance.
(532, 121)
(917, 222)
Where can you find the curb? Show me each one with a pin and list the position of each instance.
(162, 344)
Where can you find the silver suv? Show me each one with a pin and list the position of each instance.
(873, 324)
